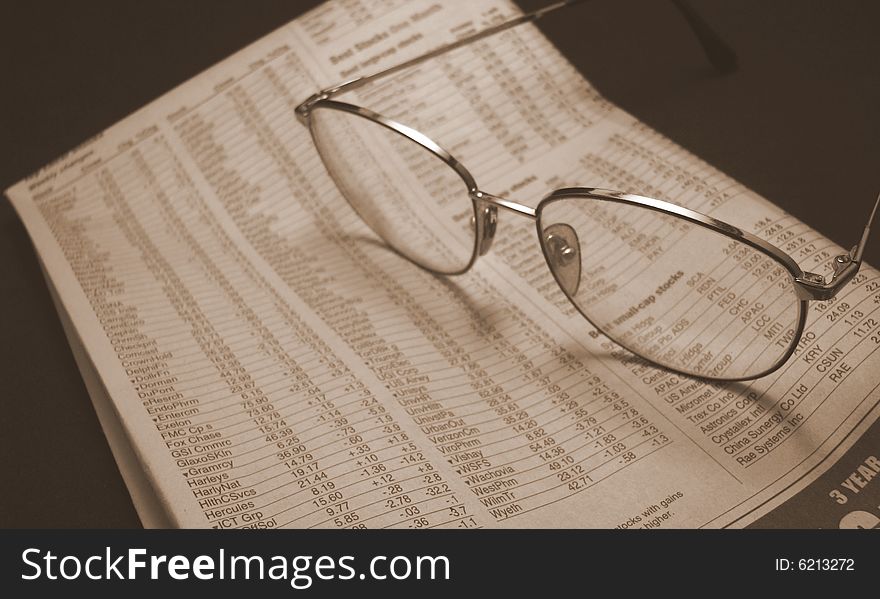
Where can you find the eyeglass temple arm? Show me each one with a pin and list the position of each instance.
(717, 52)
(813, 286)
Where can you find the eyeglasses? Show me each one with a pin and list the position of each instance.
(680, 289)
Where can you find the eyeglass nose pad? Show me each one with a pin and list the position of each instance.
(489, 222)
(564, 256)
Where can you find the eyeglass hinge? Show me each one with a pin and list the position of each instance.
(813, 286)
(303, 110)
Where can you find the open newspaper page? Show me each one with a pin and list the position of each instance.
(272, 364)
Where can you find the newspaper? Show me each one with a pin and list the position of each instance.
(260, 359)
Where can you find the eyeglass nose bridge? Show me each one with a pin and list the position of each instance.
(562, 248)
(488, 223)
(487, 206)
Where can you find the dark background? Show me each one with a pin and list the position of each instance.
(798, 122)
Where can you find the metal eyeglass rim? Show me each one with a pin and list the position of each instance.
(808, 286)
